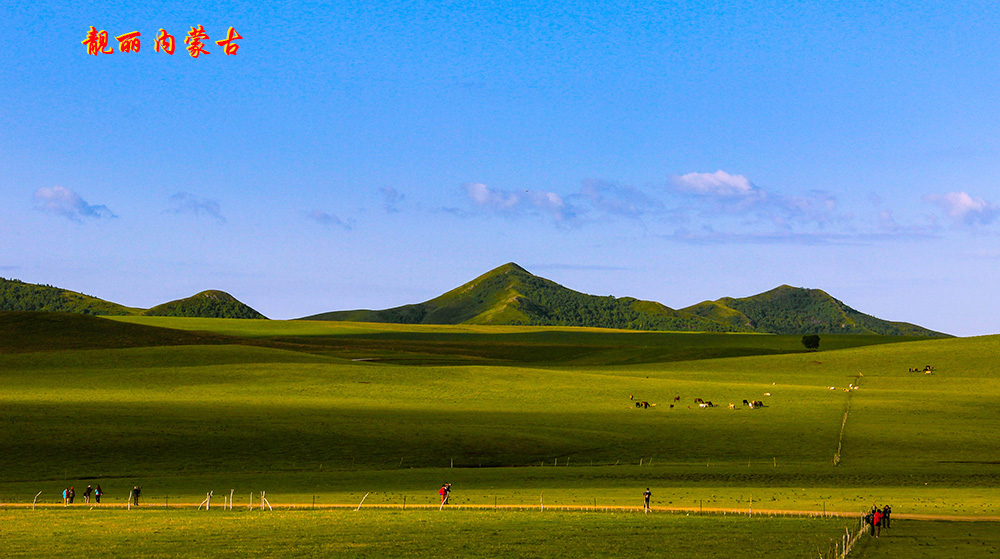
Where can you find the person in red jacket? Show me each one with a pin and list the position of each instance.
(877, 521)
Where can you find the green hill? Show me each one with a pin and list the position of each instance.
(511, 295)
(793, 310)
(207, 304)
(16, 295)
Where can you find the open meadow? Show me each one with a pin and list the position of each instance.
(519, 419)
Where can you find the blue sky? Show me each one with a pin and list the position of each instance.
(367, 155)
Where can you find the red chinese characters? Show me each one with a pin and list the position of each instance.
(97, 41)
(165, 41)
(194, 43)
(129, 42)
(228, 43)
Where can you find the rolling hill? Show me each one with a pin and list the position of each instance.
(793, 310)
(207, 304)
(511, 295)
(16, 295)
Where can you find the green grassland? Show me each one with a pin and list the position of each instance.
(411, 533)
(510, 415)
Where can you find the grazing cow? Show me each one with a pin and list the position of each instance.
(677, 398)
(699, 401)
(643, 405)
(746, 403)
(703, 405)
(731, 406)
(758, 404)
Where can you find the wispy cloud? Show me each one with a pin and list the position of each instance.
(725, 208)
(718, 194)
(616, 199)
(709, 236)
(187, 203)
(328, 220)
(963, 209)
(718, 184)
(391, 199)
(62, 201)
(493, 199)
(514, 203)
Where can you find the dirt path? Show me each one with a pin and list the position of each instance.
(529, 507)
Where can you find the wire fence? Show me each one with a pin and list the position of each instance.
(841, 548)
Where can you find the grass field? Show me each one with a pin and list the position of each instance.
(118, 533)
(509, 415)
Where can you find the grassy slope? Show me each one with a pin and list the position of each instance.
(476, 344)
(407, 534)
(27, 331)
(293, 414)
(492, 414)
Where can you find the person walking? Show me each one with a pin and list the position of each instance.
(71, 494)
(66, 496)
(886, 513)
(645, 500)
(98, 492)
(877, 521)
(445, 492)
(87, 493)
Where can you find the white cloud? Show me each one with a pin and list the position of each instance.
(63, 201)
(483, 195)
(512, 203)
(720, 194)
(965, 209)
(718, 184)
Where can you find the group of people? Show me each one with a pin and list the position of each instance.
(69, 494)
(878, 518)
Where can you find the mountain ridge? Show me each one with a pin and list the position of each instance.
(511, 295)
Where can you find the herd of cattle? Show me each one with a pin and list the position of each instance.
(752, 404)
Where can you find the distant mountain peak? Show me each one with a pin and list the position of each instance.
(510, 267)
